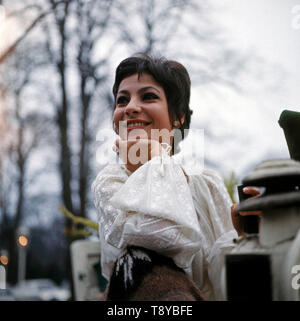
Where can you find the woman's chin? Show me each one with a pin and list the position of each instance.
(137, 133)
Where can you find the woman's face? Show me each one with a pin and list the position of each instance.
(141, 106)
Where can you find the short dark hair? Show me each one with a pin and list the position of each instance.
(171, 75)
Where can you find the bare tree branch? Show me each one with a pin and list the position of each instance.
(26, 32)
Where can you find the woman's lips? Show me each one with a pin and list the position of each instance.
(137, 127)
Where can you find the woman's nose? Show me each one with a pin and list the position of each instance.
(132, 108)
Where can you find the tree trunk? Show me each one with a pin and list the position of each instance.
(62, 120)
(12, 232)
(84, 148)
(65, 168)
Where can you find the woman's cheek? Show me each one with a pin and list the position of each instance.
(116, 120)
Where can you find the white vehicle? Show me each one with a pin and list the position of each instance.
(40, 290)
(85, 256)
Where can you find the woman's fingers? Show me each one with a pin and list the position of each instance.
(254, 191)
(144, 145)
(134, 152)
(236, 213)
(137, 151)
(120, 148)
(236, 216)
(259, 213)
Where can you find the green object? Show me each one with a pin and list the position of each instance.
(78, 219)
(230, 182)
(289, 121)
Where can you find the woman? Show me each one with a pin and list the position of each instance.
(150, 201)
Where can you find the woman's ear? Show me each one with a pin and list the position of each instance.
(182, 119)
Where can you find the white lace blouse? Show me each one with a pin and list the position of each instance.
(156, 208)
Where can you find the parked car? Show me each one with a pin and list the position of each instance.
(40, 290)
(6, 295)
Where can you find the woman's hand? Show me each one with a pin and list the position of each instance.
(236, 216)
(136, 152)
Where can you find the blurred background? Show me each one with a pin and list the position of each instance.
(57, 63)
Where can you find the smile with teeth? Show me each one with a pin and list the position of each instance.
(137, 124)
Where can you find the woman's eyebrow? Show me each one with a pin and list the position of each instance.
(148, 87)
(126, 92)
(141, 90)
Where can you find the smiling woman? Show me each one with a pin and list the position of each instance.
(141, 96)
(153, 203)
(151, 103)
(141, 111)
(158, 88)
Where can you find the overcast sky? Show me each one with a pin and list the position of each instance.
(267, 30)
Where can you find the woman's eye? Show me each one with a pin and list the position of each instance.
(122, 100)
(149, 96)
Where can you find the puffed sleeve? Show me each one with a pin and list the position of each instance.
(213, 206)
(151, 208)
